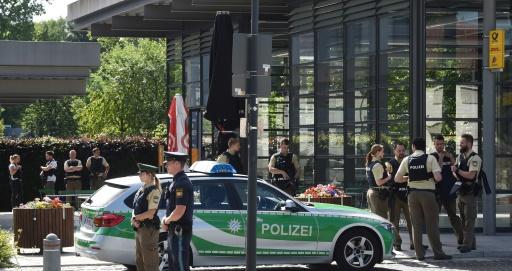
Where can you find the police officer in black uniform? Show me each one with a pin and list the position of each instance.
(285, 168)
(180, 204)
(445, 198)
(231, 157)
(398, 198)
(145, 219)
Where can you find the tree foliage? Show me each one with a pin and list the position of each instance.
(57, 30)
(50, 117)
(126, 96)
(16, 18)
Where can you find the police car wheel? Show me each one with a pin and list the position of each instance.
(357, 249)
(162, 252)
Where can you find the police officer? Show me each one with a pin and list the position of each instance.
(180, 204)
(231, 157)
(378, 181)
(15, 180)
(423, 169)
(285, 168)
(398, 198)
(73, 172)
(443, 188)
(467, 169)
(145, 219)
(98, 167)
(48, 172)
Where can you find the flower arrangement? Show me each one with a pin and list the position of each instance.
(46, 203)
(319, 191)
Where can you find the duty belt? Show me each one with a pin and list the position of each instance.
(379, 188)
(422, 190)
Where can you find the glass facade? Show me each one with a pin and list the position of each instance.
(345, 84)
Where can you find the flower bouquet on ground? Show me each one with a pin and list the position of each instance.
(325, 194)
(322, 191)
(46, 203)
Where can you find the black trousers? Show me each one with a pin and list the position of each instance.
(179, 249)
(16, 192)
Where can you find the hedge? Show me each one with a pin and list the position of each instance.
(122, 155)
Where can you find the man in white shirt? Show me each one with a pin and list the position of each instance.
(49, 171)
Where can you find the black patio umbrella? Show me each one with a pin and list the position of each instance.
(222, 109)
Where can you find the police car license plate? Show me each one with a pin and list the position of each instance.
(88, 223)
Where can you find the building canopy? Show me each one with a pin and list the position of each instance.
(35, 70)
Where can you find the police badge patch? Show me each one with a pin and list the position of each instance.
(474, 163)
(156, 199)
(179, 192)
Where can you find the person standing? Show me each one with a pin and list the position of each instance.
(73, 172)
(443, 188)
(231, 156)
(424, 172)
(98, 167)
(178, 220)
(15, 180)
(49, 171)
(466, 170)
(378, 181)
(285, 168)
(398, 198)
(145, 219)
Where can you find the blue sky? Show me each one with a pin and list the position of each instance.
(54, 10)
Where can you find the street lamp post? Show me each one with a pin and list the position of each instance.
(252, 133)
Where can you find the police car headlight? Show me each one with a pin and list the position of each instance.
(387, 226)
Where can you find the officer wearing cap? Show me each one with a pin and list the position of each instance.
(467, 169)
(424, 172)
(178, 220)
(145, 219)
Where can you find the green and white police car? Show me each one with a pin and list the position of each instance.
(288, 231)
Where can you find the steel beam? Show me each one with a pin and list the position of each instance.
(105, 30)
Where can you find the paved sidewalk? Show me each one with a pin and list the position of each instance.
(498, 246)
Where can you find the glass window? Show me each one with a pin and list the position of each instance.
(211, 196)
(269, 198)
(193, 81)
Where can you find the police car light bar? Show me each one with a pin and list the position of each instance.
(212, 167)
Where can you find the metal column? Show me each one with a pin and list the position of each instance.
(252, 134)
(418, 56)
(489, 122)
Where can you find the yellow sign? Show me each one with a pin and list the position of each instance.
(497, 49)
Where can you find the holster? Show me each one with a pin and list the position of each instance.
(466, 189)
(383, 193)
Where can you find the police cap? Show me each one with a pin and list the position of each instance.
(175, 156)
(146, 168)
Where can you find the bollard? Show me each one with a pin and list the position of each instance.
(51, 253)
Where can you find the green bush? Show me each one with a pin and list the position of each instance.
(7, 250)
(122, 155)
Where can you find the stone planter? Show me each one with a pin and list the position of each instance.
(344, 200)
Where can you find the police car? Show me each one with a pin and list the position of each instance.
(288, 231)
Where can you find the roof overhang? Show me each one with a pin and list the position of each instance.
(34, 70)
(166, 18)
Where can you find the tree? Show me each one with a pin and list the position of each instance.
(126, 96)
(2, 127)
(57, 30)
(50, 117)
(16, 18)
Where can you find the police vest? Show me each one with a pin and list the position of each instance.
(284, 162)
(235, 161)
(97, 165)
(72, 163)
(369, 174)
(445, 186)
(463, 165)
(418, 168)
(399, 188)
(140, 205)
(50, 172)
(17, 175)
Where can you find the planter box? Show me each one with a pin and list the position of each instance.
(345, 200)
(32, 225)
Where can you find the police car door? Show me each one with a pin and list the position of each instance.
(218, 226)
(283, 236)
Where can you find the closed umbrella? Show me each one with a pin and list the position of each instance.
(178, 132)
(222, 109)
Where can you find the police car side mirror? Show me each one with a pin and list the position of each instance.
(290, 206)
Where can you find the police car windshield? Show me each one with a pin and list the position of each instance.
(106, 194)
